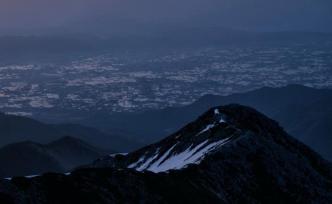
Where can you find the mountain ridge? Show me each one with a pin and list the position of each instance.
(264, 165)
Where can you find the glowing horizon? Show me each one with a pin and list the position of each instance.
(82, 15)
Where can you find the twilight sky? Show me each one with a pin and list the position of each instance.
(105, 16)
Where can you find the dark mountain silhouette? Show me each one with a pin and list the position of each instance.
(29, 158)
(305, 113)
(26, 158)
(230, 154)
(17, 129)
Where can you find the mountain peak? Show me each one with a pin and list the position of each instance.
(217, 127)
(248, 118)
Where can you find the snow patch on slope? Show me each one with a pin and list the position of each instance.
(210, 126)
(133, 165)
(214, 124)
(148, 161)
(207, 128)
(192, 155)
(116, 154)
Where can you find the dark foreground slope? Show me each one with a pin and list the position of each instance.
(231, 154)
(29, 158)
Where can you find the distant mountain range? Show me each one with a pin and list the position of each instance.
(17, 129)
(30, 158)
(230, 154)
(306, 113)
